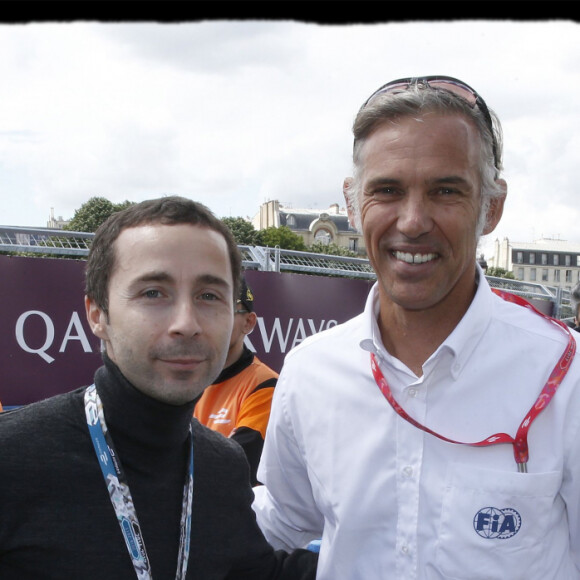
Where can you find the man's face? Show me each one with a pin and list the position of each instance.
(170, 309)
(244, 323)
(420, 203)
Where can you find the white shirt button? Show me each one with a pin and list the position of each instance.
(408, 471)
(412, 392)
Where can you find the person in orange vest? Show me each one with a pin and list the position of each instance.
(238, 403)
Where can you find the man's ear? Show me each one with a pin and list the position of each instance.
(346, 186)
(251, 319)
(96, 318)
(495, 210)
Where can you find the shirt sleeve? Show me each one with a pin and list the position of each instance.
(252, 443)
(251, 424)
(254, 411)
(285, 506)
(571, 482)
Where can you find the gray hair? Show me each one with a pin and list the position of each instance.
(414, 101)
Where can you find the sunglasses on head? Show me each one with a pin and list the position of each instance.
(443, 83)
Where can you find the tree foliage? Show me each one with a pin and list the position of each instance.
(499, 273)
(93, 213)
(331, 250)
(283, 237)
(244, 232)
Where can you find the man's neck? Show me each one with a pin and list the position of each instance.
(412, 336)
(234, 354)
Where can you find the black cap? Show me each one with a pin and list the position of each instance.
(246, 297)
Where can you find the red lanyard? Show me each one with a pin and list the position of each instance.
(520, 443)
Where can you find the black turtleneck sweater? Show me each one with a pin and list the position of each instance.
(56, 519)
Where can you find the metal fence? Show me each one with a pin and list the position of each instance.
(559, 297)
(65, 244)
(61, 243)
(44, 241)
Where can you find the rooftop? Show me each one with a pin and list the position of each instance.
(547, 244)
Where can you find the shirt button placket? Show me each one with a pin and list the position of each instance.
(410, 442)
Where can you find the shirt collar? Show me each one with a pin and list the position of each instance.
(460, 343)
(465, 337)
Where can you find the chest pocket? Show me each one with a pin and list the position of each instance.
(497, 524)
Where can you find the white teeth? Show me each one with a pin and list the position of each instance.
(414, 258)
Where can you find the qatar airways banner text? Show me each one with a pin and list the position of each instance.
(46, 345)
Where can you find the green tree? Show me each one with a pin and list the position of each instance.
(499, 273)
(244, 232)
(282, 237)
(93, 213)
(331, 250)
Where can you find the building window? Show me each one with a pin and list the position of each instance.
(578, 260)
(520, 273)
(291, 221)
(323, 236)
(544, 274)
(556, 259)
(569, 276)
(519, 257)
(544, 259)
(567, 260)
(353, 244)
(533, 274)
(532, 258)
(556, 275)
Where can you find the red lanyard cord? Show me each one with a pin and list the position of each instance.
(520, 443)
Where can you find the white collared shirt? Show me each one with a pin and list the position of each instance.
(393, 502)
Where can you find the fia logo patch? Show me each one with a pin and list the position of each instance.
(494, 523)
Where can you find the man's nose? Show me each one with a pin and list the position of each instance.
(184, 318)
(414, 218)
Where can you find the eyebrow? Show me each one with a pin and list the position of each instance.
(382, 181)
(154, 276)
(452, 179)
(449, 179)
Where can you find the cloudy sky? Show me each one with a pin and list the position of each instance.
(234, 113)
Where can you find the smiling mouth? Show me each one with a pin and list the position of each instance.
(409, 258)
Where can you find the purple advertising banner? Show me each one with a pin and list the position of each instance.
(46, 345)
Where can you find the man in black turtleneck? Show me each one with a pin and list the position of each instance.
(115, 480)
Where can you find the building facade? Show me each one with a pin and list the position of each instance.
(328, 226)
(55, 223)
(547, 261)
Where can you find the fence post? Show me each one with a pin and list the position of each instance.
(557, 303)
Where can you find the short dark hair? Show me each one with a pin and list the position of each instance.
(170, 210)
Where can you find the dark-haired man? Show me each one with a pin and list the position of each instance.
(116, 480)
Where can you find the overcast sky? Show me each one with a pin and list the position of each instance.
(235, 113)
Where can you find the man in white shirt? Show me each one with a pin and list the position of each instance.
(435, 435)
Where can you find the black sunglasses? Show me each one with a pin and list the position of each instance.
(443, 83)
